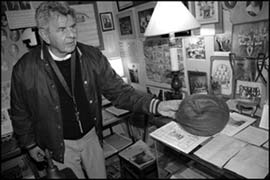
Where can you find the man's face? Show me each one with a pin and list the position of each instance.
(62, 35)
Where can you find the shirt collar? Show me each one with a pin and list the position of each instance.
(56, 58)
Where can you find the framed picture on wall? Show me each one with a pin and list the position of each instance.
(125, 22)
(143, 15)
(207, 12)
(221, 76)
(250, 39)
(197, 82)
(249, 90)
(106, 20)
(122, 5)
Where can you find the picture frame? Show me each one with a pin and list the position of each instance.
(195, 48)
(125, 23)
(143, 15)
(106, 19)
(88, 23)
(221, 77)
(122, 5)
(251, 91)
(249, 96)
(197, 82)
(207, 12)
(251, 38)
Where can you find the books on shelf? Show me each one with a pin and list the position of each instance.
(173, 135)
(116, 111)
(251, 162)
(236, 123)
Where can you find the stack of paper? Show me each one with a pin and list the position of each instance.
(174, 136)
(237, 123)
(253, 135)
(220, 149)
(250, 162)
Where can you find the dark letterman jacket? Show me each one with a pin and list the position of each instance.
(35, 105)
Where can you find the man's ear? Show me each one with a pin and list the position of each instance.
(44, 35)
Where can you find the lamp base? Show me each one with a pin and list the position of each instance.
(176, 85)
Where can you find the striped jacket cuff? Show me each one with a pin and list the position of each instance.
(153, 106)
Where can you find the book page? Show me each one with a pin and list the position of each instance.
(236, 123)
(264, 123)
(253, 135)
(173, 135)
(220, 149)
(250, 162)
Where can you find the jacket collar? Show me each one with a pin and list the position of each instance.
(42, 51)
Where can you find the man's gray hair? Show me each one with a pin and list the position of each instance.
(50, 8)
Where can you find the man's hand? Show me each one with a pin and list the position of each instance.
(37, 154)
(168, 108)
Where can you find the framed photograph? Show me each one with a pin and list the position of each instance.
(122, 5)
(197, 82)
(143, 15)
(87, 22)
(252, 91)
(126, 26)
(106, 20)
(221, 76)
(250, 39)
(223, 42)
(195, 48)
(207, 12)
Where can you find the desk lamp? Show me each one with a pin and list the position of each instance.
(169, 18)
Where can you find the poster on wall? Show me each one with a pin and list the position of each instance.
(158, 64)
(207, 12)
(195, 48)
(250, 39)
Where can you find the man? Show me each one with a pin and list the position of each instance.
(56, 93)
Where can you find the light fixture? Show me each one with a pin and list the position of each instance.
(169, 18)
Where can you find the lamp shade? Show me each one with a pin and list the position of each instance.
(170, 17)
